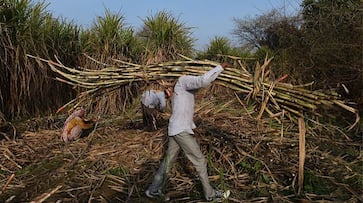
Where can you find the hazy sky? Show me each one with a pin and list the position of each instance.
(209, 18)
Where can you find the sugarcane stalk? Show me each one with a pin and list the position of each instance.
(277, 95)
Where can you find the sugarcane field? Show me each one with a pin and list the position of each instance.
(280, 123)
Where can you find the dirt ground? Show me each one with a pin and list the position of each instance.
(257, 161)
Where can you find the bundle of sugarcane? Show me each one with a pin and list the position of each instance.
(274, 96)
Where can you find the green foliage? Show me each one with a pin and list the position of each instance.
(281, 35)
(332, 35)
(316, 185)
(110, 38)
(27, 28)
(261, 54)
(40, 168)
(254, 32)
(283, 42)
(255, 168)
(325, 47)
(323, 44)
(164, 37)
(119, 171)
(219, 49)
(272, 34)
(218, 46)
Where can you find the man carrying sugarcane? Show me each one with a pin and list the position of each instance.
(181, 135)
(153, 102)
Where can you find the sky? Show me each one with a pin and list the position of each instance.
(207, 18)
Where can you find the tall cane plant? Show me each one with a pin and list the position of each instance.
(108, 39)
(26, 28)
(164, 37)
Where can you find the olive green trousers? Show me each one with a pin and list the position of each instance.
(186, 142)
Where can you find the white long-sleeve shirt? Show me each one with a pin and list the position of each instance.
(154, 99)
(182, 102)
